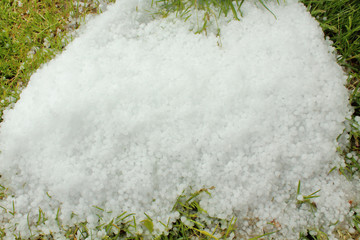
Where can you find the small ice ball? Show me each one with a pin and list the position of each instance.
(300, 197)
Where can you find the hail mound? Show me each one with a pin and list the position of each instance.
(136, 110)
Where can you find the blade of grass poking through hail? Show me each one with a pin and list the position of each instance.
(264, 235)
(264, 5)
(206, 233)
(148, 223)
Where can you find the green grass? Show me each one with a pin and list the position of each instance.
(204, 10)
(340, 21)
(191, 224)
(35, 32)
(32, 34)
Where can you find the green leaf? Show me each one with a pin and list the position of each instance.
(148, 224)
(298, 188)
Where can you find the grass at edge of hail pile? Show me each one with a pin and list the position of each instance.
(340, 21)
(32, 33)
(48, 23)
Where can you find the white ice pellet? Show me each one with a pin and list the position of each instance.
(357, 119)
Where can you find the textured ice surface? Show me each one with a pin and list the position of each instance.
(136, 110)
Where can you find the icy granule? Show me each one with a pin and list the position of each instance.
(137, 110)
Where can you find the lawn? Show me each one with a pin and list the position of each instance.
(35, 32)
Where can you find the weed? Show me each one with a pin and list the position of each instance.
(306, 199)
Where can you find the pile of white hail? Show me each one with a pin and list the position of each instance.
(138, 109)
